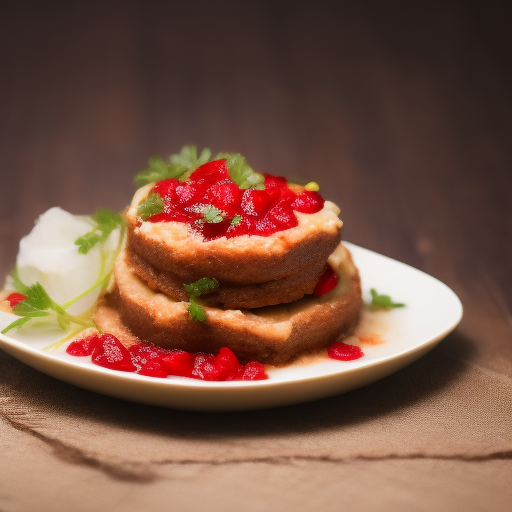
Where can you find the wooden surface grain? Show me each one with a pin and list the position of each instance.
(402, 114)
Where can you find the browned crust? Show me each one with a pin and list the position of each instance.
(272, 335)
(232, 295)
(243, 260)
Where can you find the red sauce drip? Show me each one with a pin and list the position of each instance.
(327, 282)
(146, 359)
(15, 298)
(244, 212)
(344, 351)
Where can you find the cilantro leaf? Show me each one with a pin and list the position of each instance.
(195, 290)
(201, 287)
(16, 324)
(383, 301)
(179, 165)
(196, 311)
(241, 173)
(158, 170)
(236, 220)
(106, 221)
(18, 285)
(39, 304)
(188, 157)
(212, 215)
(151, 206)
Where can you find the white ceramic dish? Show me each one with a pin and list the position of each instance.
(432, 311)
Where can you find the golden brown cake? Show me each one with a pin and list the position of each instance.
(273, 334)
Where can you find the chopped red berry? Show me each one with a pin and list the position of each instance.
(83, 347)
(212, 230)
(253, 371)
(179, 363)
(257, 212)
(167, 188)
(344, 351)
(15, 298)
(211, 172)
(146, 359)
(274, 181)
(111, 353)
(204, 367)
(256, 202)
(227, 364)
(328, 281)
(308, 202)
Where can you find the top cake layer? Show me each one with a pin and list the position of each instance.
(249, 247)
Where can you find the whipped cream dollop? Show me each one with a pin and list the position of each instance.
(48, 254)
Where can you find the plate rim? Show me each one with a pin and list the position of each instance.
(14, 347)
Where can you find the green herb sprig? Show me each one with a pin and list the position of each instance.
(39, 304)
(211, 214)
(151, 206)
(106, 221)
(180, 165)
(241, 172)
(383, 301)
(195, 290)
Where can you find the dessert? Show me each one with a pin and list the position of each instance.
(268, 249)
(214, 270)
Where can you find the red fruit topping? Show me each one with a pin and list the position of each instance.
(179, 363)
(111, 353)
(226, 196)
(189, 193)
(256, 202)
(211, 172)
(147, 358)
(252, 371)
(212, 230)
(344, 351)
(282, 217)
(204, 367)
(328, 281)
(15, 298)
(274, 181)
(84, 347)
(226, 363)
(167, 188)
(257, 212)
(308, 202)
(106, 350)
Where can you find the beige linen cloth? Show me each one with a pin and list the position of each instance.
(453, 404)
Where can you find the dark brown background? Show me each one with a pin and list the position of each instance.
(403, 115)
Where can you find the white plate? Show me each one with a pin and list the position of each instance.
(432, 311)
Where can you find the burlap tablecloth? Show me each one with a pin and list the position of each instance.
(450, 408)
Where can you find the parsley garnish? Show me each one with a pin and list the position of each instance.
(196, 311)
(383, 301)
(179, 164)
(241, 173)
(151, 206)
(39, 304)
(106, 221)
(195, 290)
(188, 157)
(212, 214)
(236, 220)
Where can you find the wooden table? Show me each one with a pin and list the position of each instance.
(402, 114)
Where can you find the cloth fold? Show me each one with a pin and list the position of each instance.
(438, 407)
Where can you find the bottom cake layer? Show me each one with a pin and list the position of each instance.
(271, 335)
